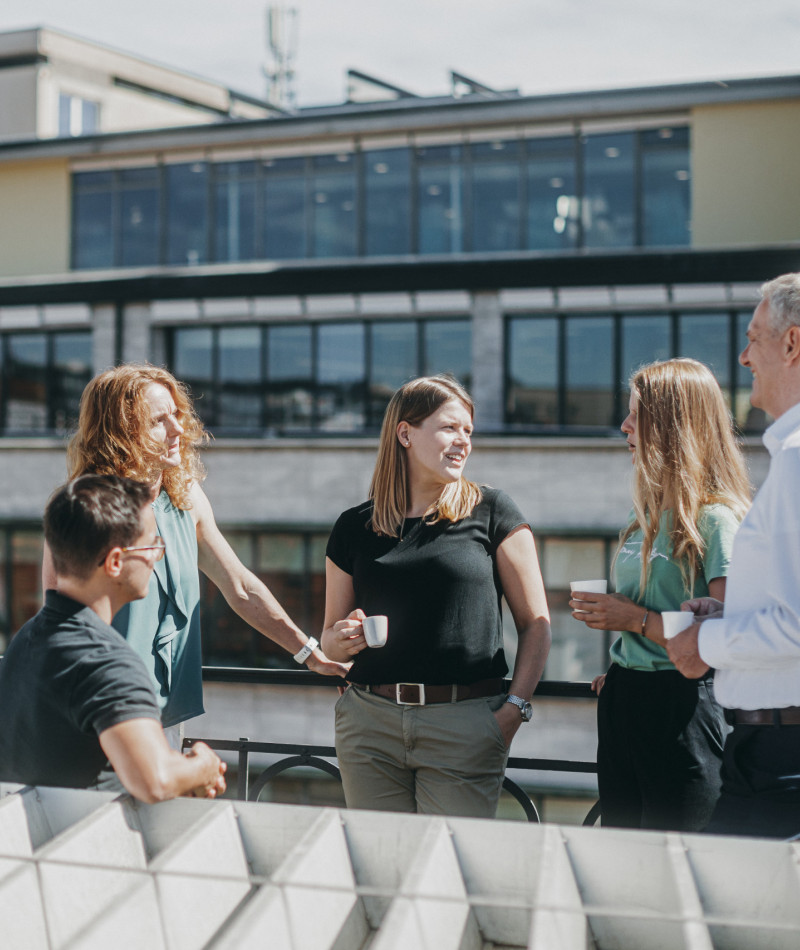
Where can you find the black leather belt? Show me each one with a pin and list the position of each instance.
(786, 716)
(421, 694)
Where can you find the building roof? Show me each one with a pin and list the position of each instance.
(80, 869)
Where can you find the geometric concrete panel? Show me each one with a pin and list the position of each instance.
(427, 925)
(320, 858)
(270, 834)
(212, 845)
(132, 922)
(22, 919)
(103, 838)
(260, 924)
(194, 908)
(52, 810)
(161, 826)
(15, 840)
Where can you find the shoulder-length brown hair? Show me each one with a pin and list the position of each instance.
(686, 457)
(113, 431)
(389, 489)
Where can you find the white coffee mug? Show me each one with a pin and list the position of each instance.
(588, 587)
(376, 630)
(676, 620)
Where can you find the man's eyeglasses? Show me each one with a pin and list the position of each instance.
(158, 546)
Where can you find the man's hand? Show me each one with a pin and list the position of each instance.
(704, 608)
(319, 663)
(683, 652)
(509, 719)
(214, 772)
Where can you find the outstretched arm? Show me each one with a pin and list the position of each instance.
(245, 593)
(151, 771)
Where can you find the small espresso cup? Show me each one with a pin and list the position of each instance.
(376, 630)
(676, 620)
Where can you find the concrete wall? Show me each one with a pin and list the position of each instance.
(35, 212)
(744, 174)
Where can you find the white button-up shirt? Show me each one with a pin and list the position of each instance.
(755, 647)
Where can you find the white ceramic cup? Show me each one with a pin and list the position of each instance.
(676, 620)
(376, 630)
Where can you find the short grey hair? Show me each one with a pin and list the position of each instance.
(783, 298)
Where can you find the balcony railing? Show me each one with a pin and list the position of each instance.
(249, 787)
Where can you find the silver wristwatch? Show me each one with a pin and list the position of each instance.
(525, 708)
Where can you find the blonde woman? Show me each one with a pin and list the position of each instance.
(660, 736)
(137, 420)
(424, 725)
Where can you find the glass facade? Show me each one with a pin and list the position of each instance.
(42, 376)
(327, 377)
(571, 371)
(615, 190)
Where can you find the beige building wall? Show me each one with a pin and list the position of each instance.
(35, 216)
(746, 174)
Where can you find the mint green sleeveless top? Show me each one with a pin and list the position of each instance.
(164, 627)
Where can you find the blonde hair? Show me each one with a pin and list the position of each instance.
(113, 431)
(389, 488)
(686, 457)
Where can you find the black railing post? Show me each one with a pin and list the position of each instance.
(243, 780)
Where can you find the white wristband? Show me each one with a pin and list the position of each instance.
(305, 652)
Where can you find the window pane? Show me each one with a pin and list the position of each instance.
(495, 206)
(644, 339)
(284, 212)
(590, 381)
(240, 378)
(26, 577)
(448, 349)
(706, 337)
(341, 377)
(71, 371)
(387, 215)
(665, 187)
(289, 389)
(139, 214)
(532, 361)
(553, 205)
(64, 115)
(234, 212)
(440, 201)
(393, 362)
(333, 202)
(26, 382)
(608, 204)
(187, 213)
(93, 214)
(577, 653)
(748, 418)
(193, 364)
(90, 117)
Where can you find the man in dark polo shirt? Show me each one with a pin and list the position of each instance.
(73, 695)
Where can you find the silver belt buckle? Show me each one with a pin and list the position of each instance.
(419, 686)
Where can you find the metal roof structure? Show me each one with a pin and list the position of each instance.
(81, 869)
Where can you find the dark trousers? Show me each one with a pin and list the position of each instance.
(659, 750)
(760, 783)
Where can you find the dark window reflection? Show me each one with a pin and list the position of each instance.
(706, 337)
(448, 349)
(387, 212)
(333, 204)
(234, 211)
(532, 362)
(71, 371)
(290, 391)
(553, 202)
(93, 219)
(239, 401)
(193, 363)
(495, 196)
(140, 197)
(285, 216)
(665, 187)
(608, 182)
(25, 382)
(440, 200)
(644, 340)
(341, 376)
(393, 361)
(589, 371)
(187, 217)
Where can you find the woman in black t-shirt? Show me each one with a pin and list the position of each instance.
(425, 725)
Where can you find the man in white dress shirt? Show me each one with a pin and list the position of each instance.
(754, 643)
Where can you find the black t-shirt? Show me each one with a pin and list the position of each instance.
(65, 678)
(439, 587)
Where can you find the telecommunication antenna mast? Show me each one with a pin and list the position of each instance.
(281, 35)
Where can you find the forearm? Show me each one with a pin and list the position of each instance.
(256, 605)
(532, 650)
(761, 639)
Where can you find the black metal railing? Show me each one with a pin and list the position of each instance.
(248, 788)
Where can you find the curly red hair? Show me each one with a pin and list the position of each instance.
(113, 426)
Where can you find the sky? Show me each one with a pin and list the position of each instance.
(536, 46)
